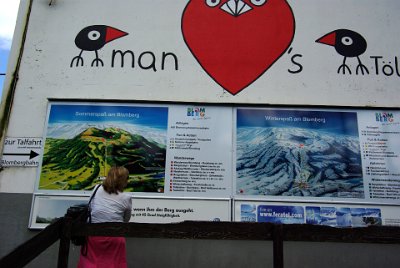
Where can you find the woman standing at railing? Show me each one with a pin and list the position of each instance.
(109, 204)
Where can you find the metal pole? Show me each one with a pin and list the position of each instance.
(65, 234)
(277, 237)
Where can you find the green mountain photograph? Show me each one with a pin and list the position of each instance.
(81, 162)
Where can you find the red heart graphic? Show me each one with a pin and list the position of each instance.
(236, 41)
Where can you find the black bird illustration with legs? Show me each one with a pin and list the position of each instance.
(93, 38)
(349, 44)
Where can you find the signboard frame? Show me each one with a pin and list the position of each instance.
(387, 118)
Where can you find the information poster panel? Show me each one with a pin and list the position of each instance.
(319, 155)
(380, 150)
(199, 153)
(146, 210)
(335, 215)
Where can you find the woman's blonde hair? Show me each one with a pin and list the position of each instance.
(116, 180)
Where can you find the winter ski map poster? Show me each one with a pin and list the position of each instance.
(84, 141)
(318, 154)
(298, 153)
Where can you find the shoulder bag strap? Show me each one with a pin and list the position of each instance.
(95, 190)
(90, 200)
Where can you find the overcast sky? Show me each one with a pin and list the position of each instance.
(8, 15)
(8, 12)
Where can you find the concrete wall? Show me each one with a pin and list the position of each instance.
(153, 253)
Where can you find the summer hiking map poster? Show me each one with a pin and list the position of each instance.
(298, 154)
(83, 141)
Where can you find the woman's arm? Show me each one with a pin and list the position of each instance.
(128, 209)
(127, 215)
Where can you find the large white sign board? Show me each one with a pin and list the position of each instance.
(341, 52)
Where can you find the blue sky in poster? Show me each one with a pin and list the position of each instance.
(156, 117)
(344, 123)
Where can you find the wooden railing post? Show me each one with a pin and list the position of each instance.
(63, 253)
(32, 248)
(63, 249)
(277, 238)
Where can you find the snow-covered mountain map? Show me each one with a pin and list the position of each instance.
(298, 153)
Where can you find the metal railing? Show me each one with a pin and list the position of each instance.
(65, 227)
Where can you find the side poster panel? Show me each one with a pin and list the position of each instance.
(171, 151)
(151, 210)
(47, 208)
(308, 155)
(166, 148)
(335, 215)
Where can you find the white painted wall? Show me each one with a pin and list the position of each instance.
(155, 25)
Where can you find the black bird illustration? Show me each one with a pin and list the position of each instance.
(93, 38)
(349, 44)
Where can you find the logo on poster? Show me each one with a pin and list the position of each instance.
(196, 112)
(384, 117)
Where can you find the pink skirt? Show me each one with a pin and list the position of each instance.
(104, 252)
